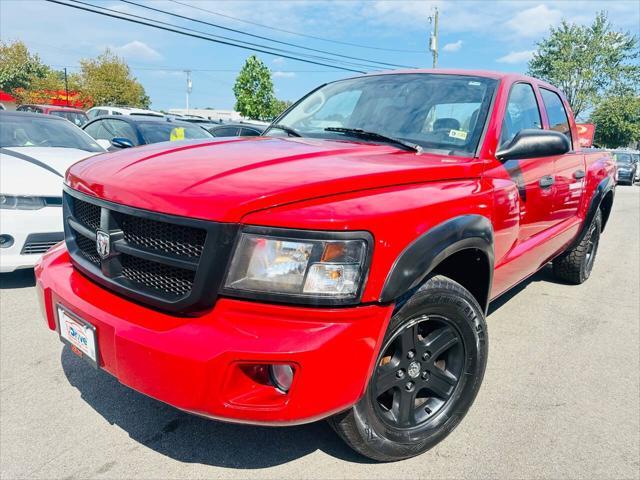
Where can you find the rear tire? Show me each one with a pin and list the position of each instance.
(575, 265)
(438, 341)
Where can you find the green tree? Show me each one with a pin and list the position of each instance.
(254, 90)
(18, 67)
(617, 120)
(107, 79)
(587, 62)
(279, 106)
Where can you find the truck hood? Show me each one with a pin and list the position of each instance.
(226, 179)
(36, 170)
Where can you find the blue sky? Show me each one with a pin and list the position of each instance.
(495, 35)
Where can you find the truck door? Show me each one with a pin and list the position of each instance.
(569, 169)
(532, 176)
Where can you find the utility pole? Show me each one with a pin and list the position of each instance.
(189, 87)
(433, 38)
(66, 86)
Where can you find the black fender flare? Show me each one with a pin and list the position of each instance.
(421, 256)
(605, 186)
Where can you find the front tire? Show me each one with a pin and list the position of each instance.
(575, 265)
(426, 377)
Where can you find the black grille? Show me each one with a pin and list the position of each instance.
(169, 280)
(87, 214)
(88, 249)
(164, 237)
(170, 262)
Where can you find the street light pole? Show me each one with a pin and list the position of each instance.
(433, 38)
(66, 86)
(189, 87)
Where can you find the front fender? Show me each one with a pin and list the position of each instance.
(431, 248)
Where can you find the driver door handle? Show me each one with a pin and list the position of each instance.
(546, 181)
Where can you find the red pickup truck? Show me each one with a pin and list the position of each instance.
(341, 265)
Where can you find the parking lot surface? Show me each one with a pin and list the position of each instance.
(560, 397)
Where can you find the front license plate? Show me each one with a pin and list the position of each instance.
(79, 334)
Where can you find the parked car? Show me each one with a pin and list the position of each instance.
(101, 111)
(237, 130)
(74, 115)
(339, 266)
(636, 158)
(35, 151)
(116, 132)
(201, 122)
(627, 167)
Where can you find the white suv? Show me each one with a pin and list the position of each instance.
(107, 110)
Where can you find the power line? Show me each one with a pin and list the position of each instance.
(262, 49)
(295, 33)
(261, 37)
(182, 69)
(219, 37)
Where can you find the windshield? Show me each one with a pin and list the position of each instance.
(154, 132)
(77, 118)
(445, 113)
(43, 131)
(622, 157)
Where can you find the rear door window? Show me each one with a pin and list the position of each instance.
(558, 119)
(249, 132)
(225, 132)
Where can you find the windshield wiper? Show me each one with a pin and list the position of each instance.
(291, 131)
(358, 132)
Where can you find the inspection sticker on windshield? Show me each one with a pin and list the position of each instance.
(459, 134)
(79, 334)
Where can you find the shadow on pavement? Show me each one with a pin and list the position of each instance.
(193, 439)
(19, 279)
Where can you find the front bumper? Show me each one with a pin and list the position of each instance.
(22, 223)
(198, 364)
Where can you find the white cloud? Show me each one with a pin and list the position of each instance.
(517, 57)
(138, 50)
(278, 61)
(534, 21)
(452, 47)
(279, 74)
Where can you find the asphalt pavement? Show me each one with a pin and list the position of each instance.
(560, 399)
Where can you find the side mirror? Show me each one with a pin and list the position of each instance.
(532, 143)
(106, 144)
(121, 142)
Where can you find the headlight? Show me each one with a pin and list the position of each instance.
(12, 202)
(315, 267)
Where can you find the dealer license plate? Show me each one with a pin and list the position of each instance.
(79, 334)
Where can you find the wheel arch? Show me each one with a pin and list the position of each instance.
(602, 199)
(605, 206)
(460, 248)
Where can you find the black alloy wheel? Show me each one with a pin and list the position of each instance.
(418, 371)
(426, 376)
(592, 248)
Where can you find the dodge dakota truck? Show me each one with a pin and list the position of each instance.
(341, 265)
